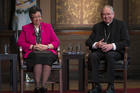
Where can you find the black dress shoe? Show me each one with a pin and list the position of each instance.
(96, 89)
(37, 90)
(110, 89)
(43, 90)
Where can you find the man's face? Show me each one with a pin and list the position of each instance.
(107, 15)
(36, 18)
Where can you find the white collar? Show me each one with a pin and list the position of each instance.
(109, 23)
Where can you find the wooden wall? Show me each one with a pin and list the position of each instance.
(74, 35)
(6, 13)
(79, 37)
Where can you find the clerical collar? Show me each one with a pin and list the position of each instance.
(109, 23)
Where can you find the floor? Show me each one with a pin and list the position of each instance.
(74, 85)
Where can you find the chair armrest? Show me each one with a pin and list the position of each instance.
(125, 56)
(87, 53)
(59, 55)
(21, 57)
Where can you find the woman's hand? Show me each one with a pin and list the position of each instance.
(40, 47)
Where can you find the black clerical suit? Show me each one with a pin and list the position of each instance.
(116, 32)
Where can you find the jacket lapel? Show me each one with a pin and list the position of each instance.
(33, 33)
(113, 29)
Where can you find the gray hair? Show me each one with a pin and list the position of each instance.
(108, 6)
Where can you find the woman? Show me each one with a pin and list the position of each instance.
(39, 44)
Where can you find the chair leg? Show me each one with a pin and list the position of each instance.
(125, 81)
(52, 86)
(60, 81)
(21, 81)
(86, 80)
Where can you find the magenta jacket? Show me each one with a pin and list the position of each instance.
(27, 37)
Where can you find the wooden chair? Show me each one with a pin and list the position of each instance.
(120, 66)
(57, 66)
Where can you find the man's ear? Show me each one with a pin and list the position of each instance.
(113, 14)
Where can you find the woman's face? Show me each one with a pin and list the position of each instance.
(36, 18)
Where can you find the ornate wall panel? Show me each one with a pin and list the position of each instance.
(78, 13)
(134, 14)
(91, 11)
(68, 11)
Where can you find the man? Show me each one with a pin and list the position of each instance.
(107, 41)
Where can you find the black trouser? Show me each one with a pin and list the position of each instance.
(110, 57)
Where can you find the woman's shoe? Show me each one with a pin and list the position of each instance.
(37, 90)
(43, 90)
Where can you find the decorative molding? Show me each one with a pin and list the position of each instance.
(73, 32)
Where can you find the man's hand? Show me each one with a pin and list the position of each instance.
(106, 47)
(100, 43)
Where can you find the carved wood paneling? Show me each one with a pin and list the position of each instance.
(77, 13)
(6, 13)
(132, 14)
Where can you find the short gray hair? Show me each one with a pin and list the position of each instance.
(108, 6)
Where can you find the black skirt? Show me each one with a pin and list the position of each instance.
(40, 57)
